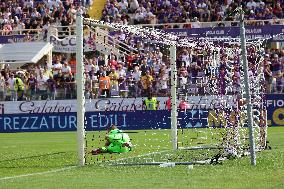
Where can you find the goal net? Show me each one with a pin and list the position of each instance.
(196, 87)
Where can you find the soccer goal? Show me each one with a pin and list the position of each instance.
(206, 114)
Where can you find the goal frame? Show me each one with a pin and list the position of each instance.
(172, 47)
(81, 99)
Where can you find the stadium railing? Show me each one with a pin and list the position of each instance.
(30, 35)
(106, 39)
(215, 24)
(102, 37)
(64, 31)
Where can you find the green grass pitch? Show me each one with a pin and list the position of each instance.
(30, 153)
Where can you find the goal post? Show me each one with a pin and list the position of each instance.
(247, 89)
(174, 114)
(80, 90)
(187, 141)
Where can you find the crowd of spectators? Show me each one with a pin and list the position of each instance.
(140, 74)
(177, 11)
(16, 15)
(38, 15)
(199, 76)
(40, 81)
(146, 70)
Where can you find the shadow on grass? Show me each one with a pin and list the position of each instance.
(49, 160)
(32, 157)
(36, 166)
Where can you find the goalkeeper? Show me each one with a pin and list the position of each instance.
(116, 142)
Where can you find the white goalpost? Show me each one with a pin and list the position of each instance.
(80, 90)
(205, 139)
(174, 114)
(247, 89)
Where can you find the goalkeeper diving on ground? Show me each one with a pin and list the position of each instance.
(116, 142)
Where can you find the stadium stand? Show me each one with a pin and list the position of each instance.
(32, 15)
(138, 72)
(196, 11)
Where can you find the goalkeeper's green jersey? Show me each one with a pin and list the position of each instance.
(117, 138)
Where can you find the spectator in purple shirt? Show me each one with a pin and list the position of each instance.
(267, 74)
(32, 85)
(276, 66)
(132, 86)
(222, 81)
(268, 14)
(51, 88)
(236, 81)
(193, 71)
(251, 15)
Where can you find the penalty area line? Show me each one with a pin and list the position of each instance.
(39, 173)
(140, 156)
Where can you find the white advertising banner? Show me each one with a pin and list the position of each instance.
(104, 104)
(68, 44)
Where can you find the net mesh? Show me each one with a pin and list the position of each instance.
(212, 120)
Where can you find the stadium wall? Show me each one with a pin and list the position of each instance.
(60, 115)
(252, 32)
(67, 43)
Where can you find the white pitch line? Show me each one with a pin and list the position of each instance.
(40, 173)
(139, 156)
(71, 167)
